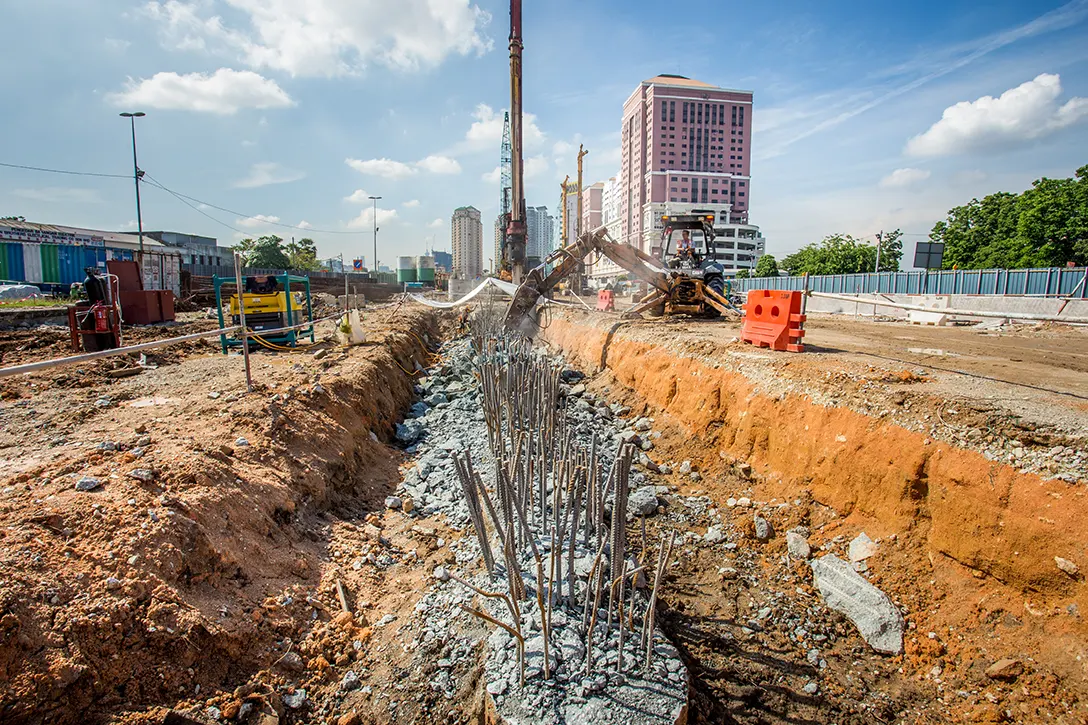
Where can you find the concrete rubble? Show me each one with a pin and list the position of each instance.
(878, 620)
(448, 423)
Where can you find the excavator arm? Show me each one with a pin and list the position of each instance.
(565, 260)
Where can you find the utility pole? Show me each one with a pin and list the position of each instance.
(375, 200)
(136, 175)
(879, 241)
(579, 269)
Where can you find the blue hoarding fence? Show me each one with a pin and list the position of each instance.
(1049, 282)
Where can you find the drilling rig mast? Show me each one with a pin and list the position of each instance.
(515, 231)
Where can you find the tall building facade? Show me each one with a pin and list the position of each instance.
(683, 142)
(540, 229)
(592, 206)
(467, 242)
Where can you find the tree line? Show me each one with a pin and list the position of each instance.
(271, 252)
(1044, 226)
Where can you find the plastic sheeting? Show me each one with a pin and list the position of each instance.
(507, 287)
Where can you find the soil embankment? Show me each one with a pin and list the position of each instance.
(969, 542)
(197, 553)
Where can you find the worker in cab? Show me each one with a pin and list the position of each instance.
(685, 247)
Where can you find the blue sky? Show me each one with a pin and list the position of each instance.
(867, 115)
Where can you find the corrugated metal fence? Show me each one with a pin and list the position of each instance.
(1050, 282)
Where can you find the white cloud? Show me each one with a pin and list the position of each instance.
(439, 165)
(1020, 114)
(485, 133)
(493, 176)
(305, 225)
(411, 204)
(258, 221)
(396, 170)
(385, 168)
(437, 223)
(562, 147)
(226, 91)
(358, 197)
(904, 177)
(536, 166)
(60, 195)
(366, 218)
(267, 173)
(327, 37)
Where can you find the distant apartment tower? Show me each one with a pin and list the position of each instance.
(540, 226)
(592, 206)
(443, 260)
(467, 242)
(683, 141)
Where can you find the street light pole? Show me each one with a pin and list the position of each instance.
(375, 200)
(136, 174)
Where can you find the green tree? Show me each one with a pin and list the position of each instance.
(1046, 225)
(767, 266)
(302, 255)
(836, 254)
(266, 252)
(742, 274)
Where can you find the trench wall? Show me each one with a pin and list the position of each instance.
(985, 515)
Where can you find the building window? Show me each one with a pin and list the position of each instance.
(673, 178)
(672, 199)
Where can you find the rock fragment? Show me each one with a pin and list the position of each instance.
(872, 612)
(763, 529)
(798, 546)
(862, 547)
(88, 483)
(1007, 669)
(1067, 566)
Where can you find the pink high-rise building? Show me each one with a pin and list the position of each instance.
(683, 143)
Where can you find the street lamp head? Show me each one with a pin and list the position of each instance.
(375, 197)
(138, 114)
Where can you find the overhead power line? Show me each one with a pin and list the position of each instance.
(239, 214)
(65, 171)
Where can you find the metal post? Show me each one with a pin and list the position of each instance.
(136, 174)
(375, 264)
(242, 318)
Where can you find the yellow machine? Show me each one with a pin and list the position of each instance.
(269, 305)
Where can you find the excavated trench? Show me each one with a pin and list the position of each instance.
(974, 552)
(231, 611)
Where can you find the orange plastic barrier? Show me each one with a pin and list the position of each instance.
(606, 300)
(772, 318)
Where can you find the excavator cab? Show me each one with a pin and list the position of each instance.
(692, 269)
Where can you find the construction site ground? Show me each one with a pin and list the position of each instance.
(202, 573)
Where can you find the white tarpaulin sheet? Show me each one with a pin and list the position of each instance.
(507, 287)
